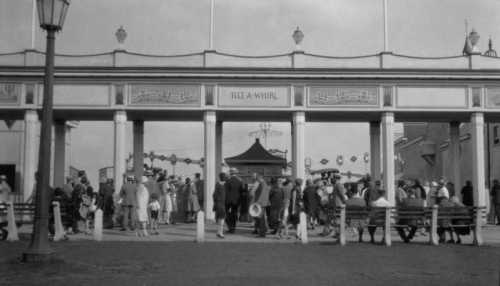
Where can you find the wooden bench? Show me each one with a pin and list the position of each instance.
(24, 214)
(462, 217)
(374, 217)
(427, 217)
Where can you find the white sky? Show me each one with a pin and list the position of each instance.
(258, 27)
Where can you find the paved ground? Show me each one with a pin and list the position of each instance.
(128, 260)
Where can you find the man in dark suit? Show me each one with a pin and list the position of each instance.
(198, 182)
(234, 188)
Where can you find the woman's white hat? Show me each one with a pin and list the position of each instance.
(144, 179)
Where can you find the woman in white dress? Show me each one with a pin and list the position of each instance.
(166, 202)
(142, 196)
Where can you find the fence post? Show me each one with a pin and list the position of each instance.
(303, 228)
(200, 226)
(11, 223)
(58, 227)
(342, 225)
(478, 237)
(433, 232)
(387, 228)
(98, 225)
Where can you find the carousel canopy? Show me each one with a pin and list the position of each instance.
(256, 154)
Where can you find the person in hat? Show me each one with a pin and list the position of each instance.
(442, 192)
(128, 203)
(199, 185)
(262, 198)
(142, 198)
(192, 206)
(5, 189)
(234, 187)
(374, 221)
(219, 198)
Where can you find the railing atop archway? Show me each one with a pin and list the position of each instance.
(212, 58)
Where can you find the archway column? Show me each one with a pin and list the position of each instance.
(30, 150)
(298, 145)
(375, 150)
(119, 155)
(218, 146)
(478, 170)
(209, 167)
(388, 155)
(454, 153)
(138, 129)
(59, 153)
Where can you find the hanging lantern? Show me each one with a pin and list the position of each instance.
(340, 160)
(354, 158)
(366, 157)
(324, 161)
(187, 161)
(173, 159)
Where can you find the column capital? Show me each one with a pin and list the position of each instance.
(477, 116)
(299, 117)
(31, 115)
(120, 116)
(210, 116)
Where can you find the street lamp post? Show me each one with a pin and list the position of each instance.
(51, 14)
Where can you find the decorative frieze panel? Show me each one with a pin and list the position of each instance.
(431, 97)
(10, 93)
(254, 96)
(184, 95)
(324, 96)
(493, 97)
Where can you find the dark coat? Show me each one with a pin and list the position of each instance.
(467, 196)
(234, 188)
(311, 200)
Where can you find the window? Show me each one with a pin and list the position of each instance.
(387, 95)
(209, 95)
(476, 97)
(298, 95)
(119, 95)
(30, 94)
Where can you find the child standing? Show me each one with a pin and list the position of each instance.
(154, 207)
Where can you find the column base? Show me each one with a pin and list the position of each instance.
(39, 256)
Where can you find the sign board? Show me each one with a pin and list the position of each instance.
(185, 95)
(254, 96)
(493, 97)
(321, 96)
(10, 93)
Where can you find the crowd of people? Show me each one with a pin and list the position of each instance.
(273, 204)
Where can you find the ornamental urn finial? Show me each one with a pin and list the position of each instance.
(474, 39)
(121, 35)
(298, 36)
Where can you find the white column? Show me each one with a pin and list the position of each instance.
(478, 172)
(209, 121)
(59, 153)
(375, 151)
(138, 130)
(298, 145)
(30, 152)
(119, 154)
(218, 147)
(478, 165)
(454, 153)
(388, 153)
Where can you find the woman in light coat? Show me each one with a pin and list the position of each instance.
(142, 196)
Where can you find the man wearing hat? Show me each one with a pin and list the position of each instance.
(128, 203)
(5, 189)
(234, 188)
(442, 192)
